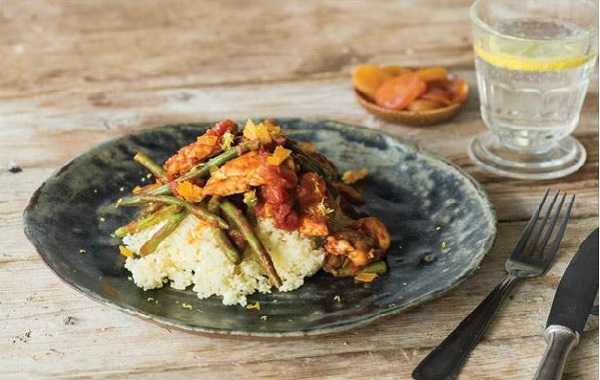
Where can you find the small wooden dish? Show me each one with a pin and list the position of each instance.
(413, 118)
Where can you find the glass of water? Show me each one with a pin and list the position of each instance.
(534, 59)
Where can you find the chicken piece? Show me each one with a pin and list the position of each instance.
(313, 226)
(205, 146)
(362, 243)
(238, 175)
(313, 205)
(374, 228)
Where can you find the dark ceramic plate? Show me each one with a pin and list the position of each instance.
(441, 222)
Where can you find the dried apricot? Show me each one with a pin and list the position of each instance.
(429, 74)
(438, 95)
(421, 105)
(395, 71)
(459, 90)
(399, 92)
(368, 78)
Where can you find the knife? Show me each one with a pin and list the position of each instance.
(570, 309)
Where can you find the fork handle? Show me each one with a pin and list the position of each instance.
(447, 359)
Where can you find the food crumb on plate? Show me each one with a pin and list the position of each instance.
(444, 246)
(351, 176)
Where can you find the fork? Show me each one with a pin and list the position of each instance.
(531, 257)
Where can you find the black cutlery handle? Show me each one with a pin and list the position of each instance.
(447, 359)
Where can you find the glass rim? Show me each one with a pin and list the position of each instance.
(489, 29)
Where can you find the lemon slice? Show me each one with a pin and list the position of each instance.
(532, 55)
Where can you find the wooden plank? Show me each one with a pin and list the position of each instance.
(87, 346)
(78, 73)
(52, 129)
(178, 44)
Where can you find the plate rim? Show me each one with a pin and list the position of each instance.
(356, 324)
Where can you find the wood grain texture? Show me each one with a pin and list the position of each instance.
(78, 73)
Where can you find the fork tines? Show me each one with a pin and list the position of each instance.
(541, 237)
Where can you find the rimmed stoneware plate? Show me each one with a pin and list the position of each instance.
(441, 222)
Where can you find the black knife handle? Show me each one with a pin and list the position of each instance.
(447, 359)
(561, 340)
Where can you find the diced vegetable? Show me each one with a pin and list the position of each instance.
(190, 192)
(279, 155)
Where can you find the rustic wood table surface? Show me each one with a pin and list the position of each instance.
(75, 74)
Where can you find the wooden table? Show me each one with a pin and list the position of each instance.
(78, 73)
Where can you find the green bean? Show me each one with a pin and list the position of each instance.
(228, 248)
(324, 168)
(213, 204)
(196, 210)
(203, 170)
(147, 221)
(154, 168)
(237, 219)
(164, 231)
(378, 267)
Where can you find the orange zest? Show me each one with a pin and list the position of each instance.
(124, 251)
(365, 277)
(189, 191)
(263, 132)
(351, 176)
(279, 155)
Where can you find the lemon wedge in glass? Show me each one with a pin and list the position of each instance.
(532, 55)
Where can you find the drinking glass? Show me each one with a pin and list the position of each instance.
(534, 59)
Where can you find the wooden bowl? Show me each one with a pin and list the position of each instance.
(413, 118)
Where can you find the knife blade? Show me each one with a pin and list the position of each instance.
(572, 304)
(578, 287)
